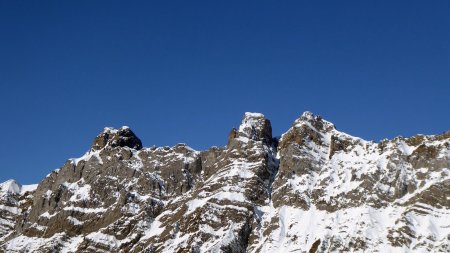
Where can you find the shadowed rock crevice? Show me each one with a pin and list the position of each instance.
(315, 246)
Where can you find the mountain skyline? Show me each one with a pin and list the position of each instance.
(176, 143)
(316, 189)
(181, 71)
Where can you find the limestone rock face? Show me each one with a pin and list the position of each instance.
(314, 190)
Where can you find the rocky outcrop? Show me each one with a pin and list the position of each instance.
(255, 127)
(122, 137)
(314, 190)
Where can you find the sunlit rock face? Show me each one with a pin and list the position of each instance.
(315, 189)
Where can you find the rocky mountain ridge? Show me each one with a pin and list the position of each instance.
(315, 189)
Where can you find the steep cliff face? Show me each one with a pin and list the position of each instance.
(314, 190)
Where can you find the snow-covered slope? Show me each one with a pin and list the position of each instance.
(314, 190)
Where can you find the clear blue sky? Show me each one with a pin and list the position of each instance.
(186, 71)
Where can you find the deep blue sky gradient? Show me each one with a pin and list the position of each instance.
(186, 71)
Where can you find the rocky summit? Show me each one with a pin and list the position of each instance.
(315, 189)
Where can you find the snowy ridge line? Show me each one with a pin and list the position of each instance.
(315, 189)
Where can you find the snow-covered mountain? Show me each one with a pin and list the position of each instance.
(315, 189)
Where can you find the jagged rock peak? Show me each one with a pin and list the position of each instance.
(255, 126)
(111, 137)
(10, 186)
(309, 127)
(315, 121)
